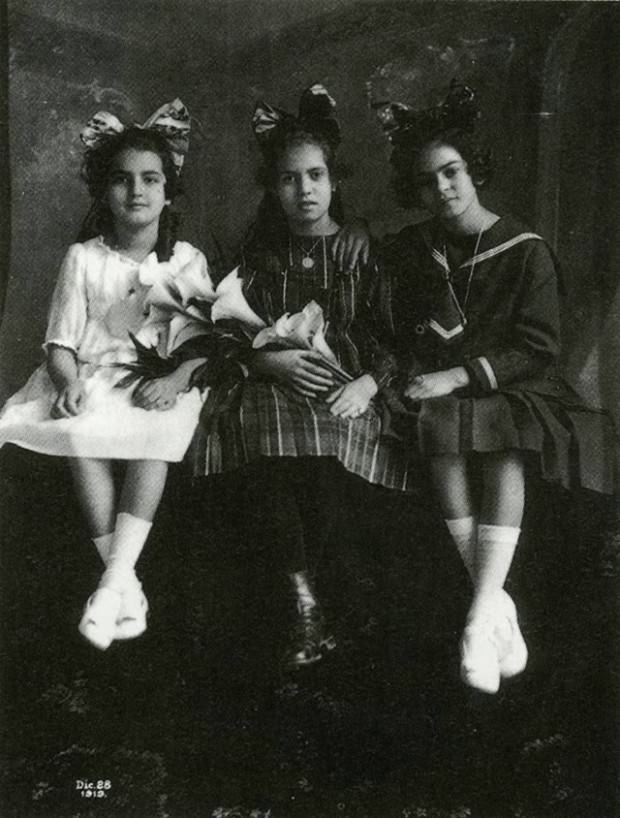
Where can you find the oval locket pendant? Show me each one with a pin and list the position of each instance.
(307, 263)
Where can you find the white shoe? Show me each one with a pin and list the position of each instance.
(98, 623)
(480, 655)
(513, 650)
(131, 619)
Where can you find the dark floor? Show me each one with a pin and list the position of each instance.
(195, 718)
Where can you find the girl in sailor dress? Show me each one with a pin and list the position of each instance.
(73, 405)
(477, 329)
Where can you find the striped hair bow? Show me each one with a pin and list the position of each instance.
(172, 120)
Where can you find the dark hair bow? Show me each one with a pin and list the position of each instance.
(458, 112)
(316, 115)
(172, 120)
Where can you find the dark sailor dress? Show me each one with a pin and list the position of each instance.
(490, 303)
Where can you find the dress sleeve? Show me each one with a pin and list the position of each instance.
(375, 329)
(534, 340)
(69, 307)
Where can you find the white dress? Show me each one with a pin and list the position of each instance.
(99, 298)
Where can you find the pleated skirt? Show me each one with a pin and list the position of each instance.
(570, 443)
(265, 420)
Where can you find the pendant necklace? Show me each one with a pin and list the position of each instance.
(462, 307)
(307, 261)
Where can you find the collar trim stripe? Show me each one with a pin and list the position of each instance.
(446, 334)
(440, 259)
(500, 248)
(488, 371)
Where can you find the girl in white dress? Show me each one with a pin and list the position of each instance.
(75, 404)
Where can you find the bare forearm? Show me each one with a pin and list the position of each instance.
(302, 370)
(437, 384)
(460, 376)
(61, 366)
(368, 383)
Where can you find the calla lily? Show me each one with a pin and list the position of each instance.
(230, 303)
(164, 295)
(171, 290)
(295, 331)
(302, 330)
(193, 282)
(268, 335)
(319, 343)
(303, 325)
(181, 330)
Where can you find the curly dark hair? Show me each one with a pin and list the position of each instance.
(95, 172)
(404, 156)
(270, 227)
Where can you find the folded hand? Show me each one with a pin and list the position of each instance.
(69, 401)
(353, 399)
(433, 385)
(159, 394)
(302, 370)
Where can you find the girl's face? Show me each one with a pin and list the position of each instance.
(136, 188)
(444, 185)
(304, 188)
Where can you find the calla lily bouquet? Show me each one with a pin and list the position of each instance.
(302, 330)
(219, 324)
(180, 303)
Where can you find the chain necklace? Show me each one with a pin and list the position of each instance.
(462, 307)
(307, 261)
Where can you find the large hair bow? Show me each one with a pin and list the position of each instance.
(172, 120)
(316, 115)
(457, 112)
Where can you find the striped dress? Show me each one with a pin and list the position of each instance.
(255, 418)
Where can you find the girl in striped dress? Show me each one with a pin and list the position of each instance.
(288, 422)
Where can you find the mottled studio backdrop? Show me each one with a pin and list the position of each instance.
(548, 76)
(194, 719)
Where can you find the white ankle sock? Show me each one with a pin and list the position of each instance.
(494, 552)
(103, 544)
(500, 534)
(463, 532)
(130, 535)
